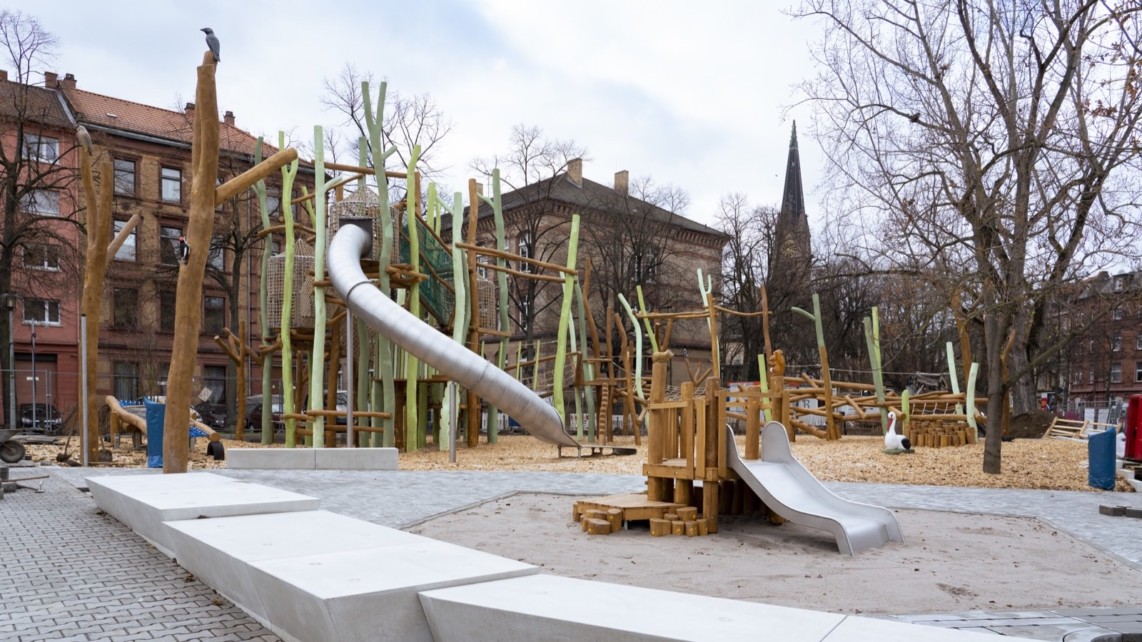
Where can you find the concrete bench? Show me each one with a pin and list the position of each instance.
(312, 458)
(548, 607)
(144, 502)
(317, 575)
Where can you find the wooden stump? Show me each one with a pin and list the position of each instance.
(687, 514)
(597, 526)
(659, 527)
(691, 529)
(678, 527)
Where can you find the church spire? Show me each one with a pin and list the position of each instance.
(793, 200)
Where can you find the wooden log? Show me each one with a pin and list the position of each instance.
(671, 517)
(598, 527)
(678, 527)
(739, 497)
(687, 513)
(683, 491)
(726, 503)
(703, 526)
(710, 502)
(691, 529)
(659, 527)
(583, 523)
(615, 518)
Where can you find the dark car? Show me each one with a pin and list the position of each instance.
(212, 414)
(254, 413)
(39, 417)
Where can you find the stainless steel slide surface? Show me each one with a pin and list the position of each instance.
(792, 492)
(423, 341)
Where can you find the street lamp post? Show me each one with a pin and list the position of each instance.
(10, 303)
(35, 397)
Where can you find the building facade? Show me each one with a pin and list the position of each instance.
(149, 151)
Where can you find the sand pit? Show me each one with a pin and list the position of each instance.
(950, 561)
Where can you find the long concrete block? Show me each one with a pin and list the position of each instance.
(548, 607)
(219, 551)
(272, 458)
(357, 459)
(368, 594)
(144, 502)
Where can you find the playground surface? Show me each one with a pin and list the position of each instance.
(85, 576)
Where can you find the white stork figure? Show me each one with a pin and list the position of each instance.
(893, 441)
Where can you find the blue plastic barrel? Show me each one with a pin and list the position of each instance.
(156, 415)
(1100, 452)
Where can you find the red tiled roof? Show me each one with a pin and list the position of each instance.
(40, 105)
(116, 113)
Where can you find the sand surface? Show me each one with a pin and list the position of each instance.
(950, 561)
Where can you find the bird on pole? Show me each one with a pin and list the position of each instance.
(84, 139)
(212, 42)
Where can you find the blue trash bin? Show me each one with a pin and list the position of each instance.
(1100, 452)
(156, 415)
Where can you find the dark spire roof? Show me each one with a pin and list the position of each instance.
(793, 200)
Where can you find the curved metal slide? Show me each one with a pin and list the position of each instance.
(792, 492)
(423, 341)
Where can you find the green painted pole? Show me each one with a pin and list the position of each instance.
(564, 319)
(637, 347)
(374, 122)
(955, 381)
(263, 304)
(496, 203)
(289, 404)
(317, 360)
(414, 434)
(588, 367)
(649, 326)
(460, 308)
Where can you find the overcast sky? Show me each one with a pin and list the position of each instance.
(692, 94)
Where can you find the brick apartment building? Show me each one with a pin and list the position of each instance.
(628, 240)
(149, 149)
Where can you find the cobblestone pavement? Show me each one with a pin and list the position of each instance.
(86, 577)
(70, 572)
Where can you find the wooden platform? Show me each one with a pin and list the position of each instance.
(635, 506)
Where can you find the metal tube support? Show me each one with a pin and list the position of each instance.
(455, 416)
(11, 364)
(83, 384)
(350, 386)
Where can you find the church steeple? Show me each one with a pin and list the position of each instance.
(793, 199)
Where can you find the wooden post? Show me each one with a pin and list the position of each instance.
(188, 298)
(656, 432)
(710, 489)
(753, 428)
(98, 235)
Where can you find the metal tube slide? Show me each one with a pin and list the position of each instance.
(423, 341)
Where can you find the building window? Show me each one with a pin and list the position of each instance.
(41, 148)
(1090, 346)
(273, 201)
(214, 379)
(166, 311)
(1116, 343)
(1078, 377)
(125, 316)
(1091, 377)
(217, 258)
(525, 243)
(643, 267)
(1138, 372)
(1116, 373)
(168, 244)
(124, 177)
(1138, 342)
(126, 252)
(524, 314)
(126, 380)
(1119, 313)
(44, 202)
(213, 314)
(41, 312)
(171, 185)
(41, 257)
(1119, 283)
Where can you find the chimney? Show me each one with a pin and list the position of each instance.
(50, 79)
(228, 118)
(575, 171)
(68, 82)
(4, 75)
(622, 182)
(480, 188)
(189, 111)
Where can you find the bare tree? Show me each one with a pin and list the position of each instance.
(37, 172)
(530, 169)
(995, 143)
(409, 121)
(744, 269)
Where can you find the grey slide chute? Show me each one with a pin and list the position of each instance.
(424, 342)
(792, 492)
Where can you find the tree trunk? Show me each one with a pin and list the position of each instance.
(994, 331)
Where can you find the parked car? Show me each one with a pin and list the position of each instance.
(212, 414)
(254, 413)
(39, 417)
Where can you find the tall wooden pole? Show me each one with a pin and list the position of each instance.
(98, 235)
